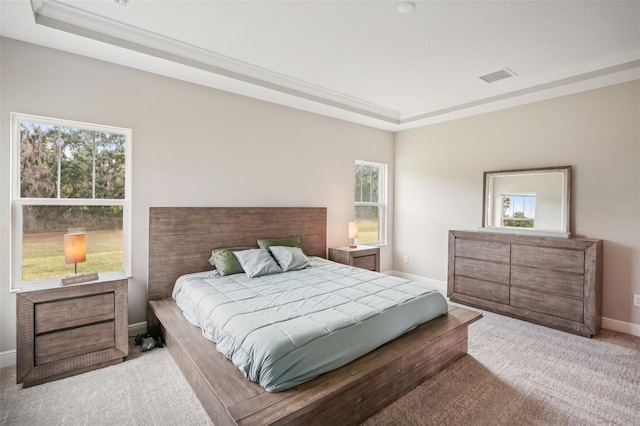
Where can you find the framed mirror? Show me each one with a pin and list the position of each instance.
(528, 201)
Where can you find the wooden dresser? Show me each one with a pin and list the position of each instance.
(556, 282)
(62, 331)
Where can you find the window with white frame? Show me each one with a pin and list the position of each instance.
(371, 202)
(518, 210)
(68, 176)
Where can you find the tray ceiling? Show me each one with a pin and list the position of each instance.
(362, 61)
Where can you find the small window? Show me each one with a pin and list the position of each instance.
(370, 202)
(518, 211)
(69, 175)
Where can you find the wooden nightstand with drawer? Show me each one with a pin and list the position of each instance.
(67, 330)
(365, 257)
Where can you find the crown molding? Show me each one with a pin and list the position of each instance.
(192, 63)
(67, 18)
(607, 72)
(619, 74)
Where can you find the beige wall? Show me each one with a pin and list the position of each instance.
(439, 180)
(199, 146)
(192, 146)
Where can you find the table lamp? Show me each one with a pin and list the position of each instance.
(353, 233)
(74, 249)
(74, 252)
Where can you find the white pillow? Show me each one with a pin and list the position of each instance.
(290, 258)
(257, 262)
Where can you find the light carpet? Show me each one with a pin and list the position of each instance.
(516, 373)
(147, 389)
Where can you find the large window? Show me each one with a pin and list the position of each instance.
(69, 175)
(371, 202)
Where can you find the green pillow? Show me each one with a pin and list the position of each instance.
(225, 262)
(265, 243)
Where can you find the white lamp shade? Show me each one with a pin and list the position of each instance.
(353, 229)
(74, 248)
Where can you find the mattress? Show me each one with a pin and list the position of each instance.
(284, 329)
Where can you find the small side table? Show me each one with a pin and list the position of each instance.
(365, 257)
(67, 330)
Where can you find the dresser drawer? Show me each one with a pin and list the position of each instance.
(483, 250)
(66, 313)
(548, 258)
(482, 289)
(488, 271)
(76, 341)
(557, 306)
(553, 282)
(365, 262)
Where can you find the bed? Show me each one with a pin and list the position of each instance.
(179, 240)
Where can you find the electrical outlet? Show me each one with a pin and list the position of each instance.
(406, 259)
(636, 300)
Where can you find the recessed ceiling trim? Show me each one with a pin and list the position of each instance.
(522, 97)
(191, 63)
(606, 76)
(67, 18)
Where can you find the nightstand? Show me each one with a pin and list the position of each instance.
(62, 331)
(365, 257)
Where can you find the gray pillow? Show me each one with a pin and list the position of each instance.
(290, 258)
(257, 262)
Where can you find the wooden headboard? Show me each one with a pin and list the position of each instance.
(181, 238)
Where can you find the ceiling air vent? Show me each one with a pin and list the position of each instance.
(498, 75)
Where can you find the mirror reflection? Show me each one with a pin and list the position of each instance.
(528, 201)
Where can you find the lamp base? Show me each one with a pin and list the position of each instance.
(352, 246)
(77, 279)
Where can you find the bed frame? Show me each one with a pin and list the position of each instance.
(180, 240)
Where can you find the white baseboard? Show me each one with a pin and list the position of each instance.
(608, 323)
(621, 326)
(8, 358)
(441, 286)
(137, 328)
